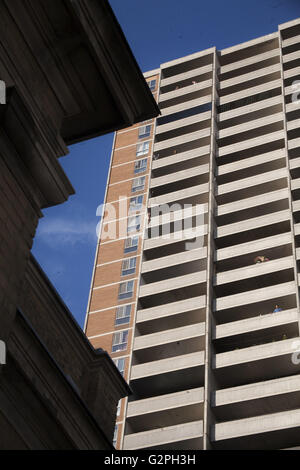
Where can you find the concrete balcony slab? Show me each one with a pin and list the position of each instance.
(251, 162)
(250, 92)
(169, 336)
(186, 105)
(182, 139)
(176, 283)
(181, 157)
(258, 323)
(173, 260)
(255, 270)
(186, 75)
(172, 308)
(255, 142)
(165, 366)
(255, 296)
(252, 224)
(168, 436)
(165, 402)
(251, 60)
(180, 195)
(179, 176)
(253, 246)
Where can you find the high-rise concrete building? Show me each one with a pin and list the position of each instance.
(201, 315)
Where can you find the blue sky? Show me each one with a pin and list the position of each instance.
(157, 31)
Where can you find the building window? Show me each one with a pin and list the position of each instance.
(115, 436)
(131, 244)
(128, 266)
(120, 364)
(144, 131)
(120, 341)
(138, 184)
(119, 408)
(134, 224)
(136, 203)
(142, 148)
(126, 290)
(123, 315)
(140, 166)
(152, 84)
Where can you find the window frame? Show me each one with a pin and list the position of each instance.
(130, 269)
(127, 294)
(139, 187)
(147, 131)
(122, 344)
(152, 84)
(116, 361)
(125, 318)
(132, 247)
(144, 146)
(137, 205)
(136, 226)
(138, 168)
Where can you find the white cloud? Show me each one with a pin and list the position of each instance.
(61, 231)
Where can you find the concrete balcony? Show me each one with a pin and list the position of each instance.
(179, 161)
(289, 107)
(180, 218)
(180, 77)
(164, 411)
(187, 436)
(181, 92)
(295, 163)
(250, 125)
(186, 105)
(183, 139)
(295, 184)
(294, 72)
(249, 304)
(168, 402)
(250, 92)
(271, 431)
(255, 363)
(250, 76)
(169, 336)
(176, 283)
(249, 143)
(291, 41)
(185, 122)
(252, 181)
(195, 194)
(168, 365)
(182, 312)
(251, 162)
(252, 224)
(295, 124)
(188, 63)
(177, 238)
(259, 323)
(296, 206)
(180, 175)
(289, 57)
(257, 398)
(250, 108)
(255, 270)
(297, 229)
(174, 260)
(251, 202)
(168, 375)
(250, 60)
(254, 247)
